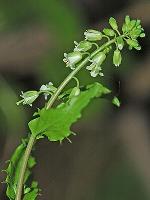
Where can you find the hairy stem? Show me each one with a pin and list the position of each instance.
(49, 104)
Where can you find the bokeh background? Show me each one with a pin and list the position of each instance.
(109, 158)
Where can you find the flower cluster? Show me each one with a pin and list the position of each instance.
(131, 30)
(82, 48)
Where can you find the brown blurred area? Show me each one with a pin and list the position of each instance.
(109, 158)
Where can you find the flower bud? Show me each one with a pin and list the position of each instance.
(109, 32)
(83, 46)
(107, 49)
(127, 20)
(124, 28)
(138, 22)
(117, 58)
(120, 43)
(135, 33)
(132, 43)
(113, 23)
(93, 35)
(75, 92)
(142, 35)
(72, 58)
(131, 24)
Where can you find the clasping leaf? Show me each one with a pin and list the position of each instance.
(55, 123)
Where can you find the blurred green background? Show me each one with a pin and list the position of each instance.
(110, 156)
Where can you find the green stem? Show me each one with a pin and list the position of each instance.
(77, 81)
(49, 104)
(23, 167)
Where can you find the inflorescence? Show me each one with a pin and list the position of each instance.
(131, 31)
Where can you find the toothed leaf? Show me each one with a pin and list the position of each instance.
(56, 122)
